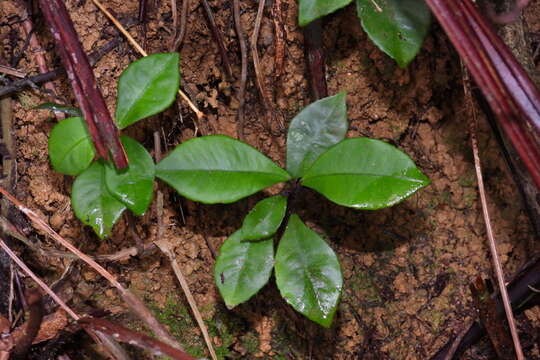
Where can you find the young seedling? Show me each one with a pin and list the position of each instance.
(100, 192)
(360, 173)
(397, 27)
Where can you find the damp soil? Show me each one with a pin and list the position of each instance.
(406, 269)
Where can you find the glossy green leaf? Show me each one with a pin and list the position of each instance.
(218, 169)
(92, 202)
(397, 27)
(309, 10)
(265, 218)
(365, 174)
(242, 268)
(308, 274)
(135, 185)
(70, 146)
(147, 87)
(316, 128)
(70, 110)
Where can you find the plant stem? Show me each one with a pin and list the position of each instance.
(506, 86)
(100, 125)
(315, 59)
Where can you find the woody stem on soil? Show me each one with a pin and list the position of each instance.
(100, 124)
(315, 59)
(506, 86)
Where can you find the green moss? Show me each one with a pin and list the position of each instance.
(177, 317)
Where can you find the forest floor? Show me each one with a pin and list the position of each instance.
(407, 269)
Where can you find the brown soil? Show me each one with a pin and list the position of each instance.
(407, 269)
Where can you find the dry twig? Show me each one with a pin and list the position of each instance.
(216, 33)
(489, 231)
(259, 76)
(165, 247)
(243, 75)
(179, 34)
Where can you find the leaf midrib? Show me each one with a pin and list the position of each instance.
(415, 180)
(307, 273)
(70, 149)
(219, 170)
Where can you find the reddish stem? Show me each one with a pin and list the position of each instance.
(505, 85)
(100, 124)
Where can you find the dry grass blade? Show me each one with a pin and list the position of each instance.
(132, 301)
(141, 51)
(489, 230)
(164, 246)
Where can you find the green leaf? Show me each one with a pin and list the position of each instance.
(218, 169)
(93, 204)
(242, 268)
(309, 10)
(399, 29)
(365, 173)
(308, 274)
(70, 110)
(264, 219)
(147, 87)
(70, 146)
(315, 129)
(134, 186)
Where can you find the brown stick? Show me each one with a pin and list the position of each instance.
(314, 54)
(131, 337)
(496, 262)
(259, 76)
(279, 38)
(36, 49)
(218, 38)
(178, 39)
(22, 84)
(100, 124)
(243, 74)
(133, 302)
(35, 317)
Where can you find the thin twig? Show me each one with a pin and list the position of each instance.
(141, 51)
(32, 81)
(11, 71)
(243, 75)
(489, 231)
(131, 337)
(134, 302)
(457, 341)
(44, 286)
(37, 50)
(180, 33)
(142, 19)
(259, 76)
(218, 38)
(164, 246)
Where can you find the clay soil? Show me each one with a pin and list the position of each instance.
(406, 269)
